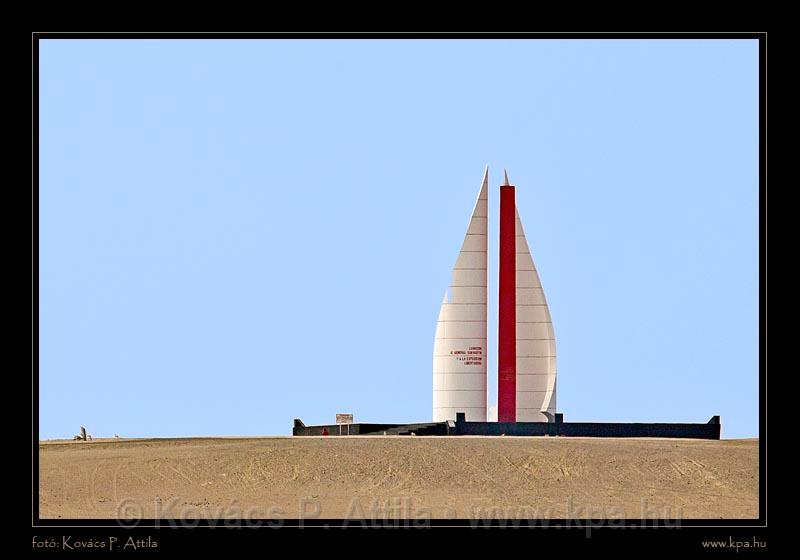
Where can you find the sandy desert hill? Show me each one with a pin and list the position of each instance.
(399, 477)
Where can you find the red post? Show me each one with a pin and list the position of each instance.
(507, 322)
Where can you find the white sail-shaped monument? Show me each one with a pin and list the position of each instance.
(459, 353)
(536, 344)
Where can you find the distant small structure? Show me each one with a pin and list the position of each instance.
(83, 436)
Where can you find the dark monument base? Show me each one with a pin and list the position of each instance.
(709, 430)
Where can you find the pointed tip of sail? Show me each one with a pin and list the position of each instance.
(506, 183)
(484, 183)
(483, 192)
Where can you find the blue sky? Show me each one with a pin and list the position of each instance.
(233, 234)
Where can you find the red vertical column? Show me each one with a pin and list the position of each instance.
(507, 323)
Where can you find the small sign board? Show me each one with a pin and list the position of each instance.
(344, 418)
